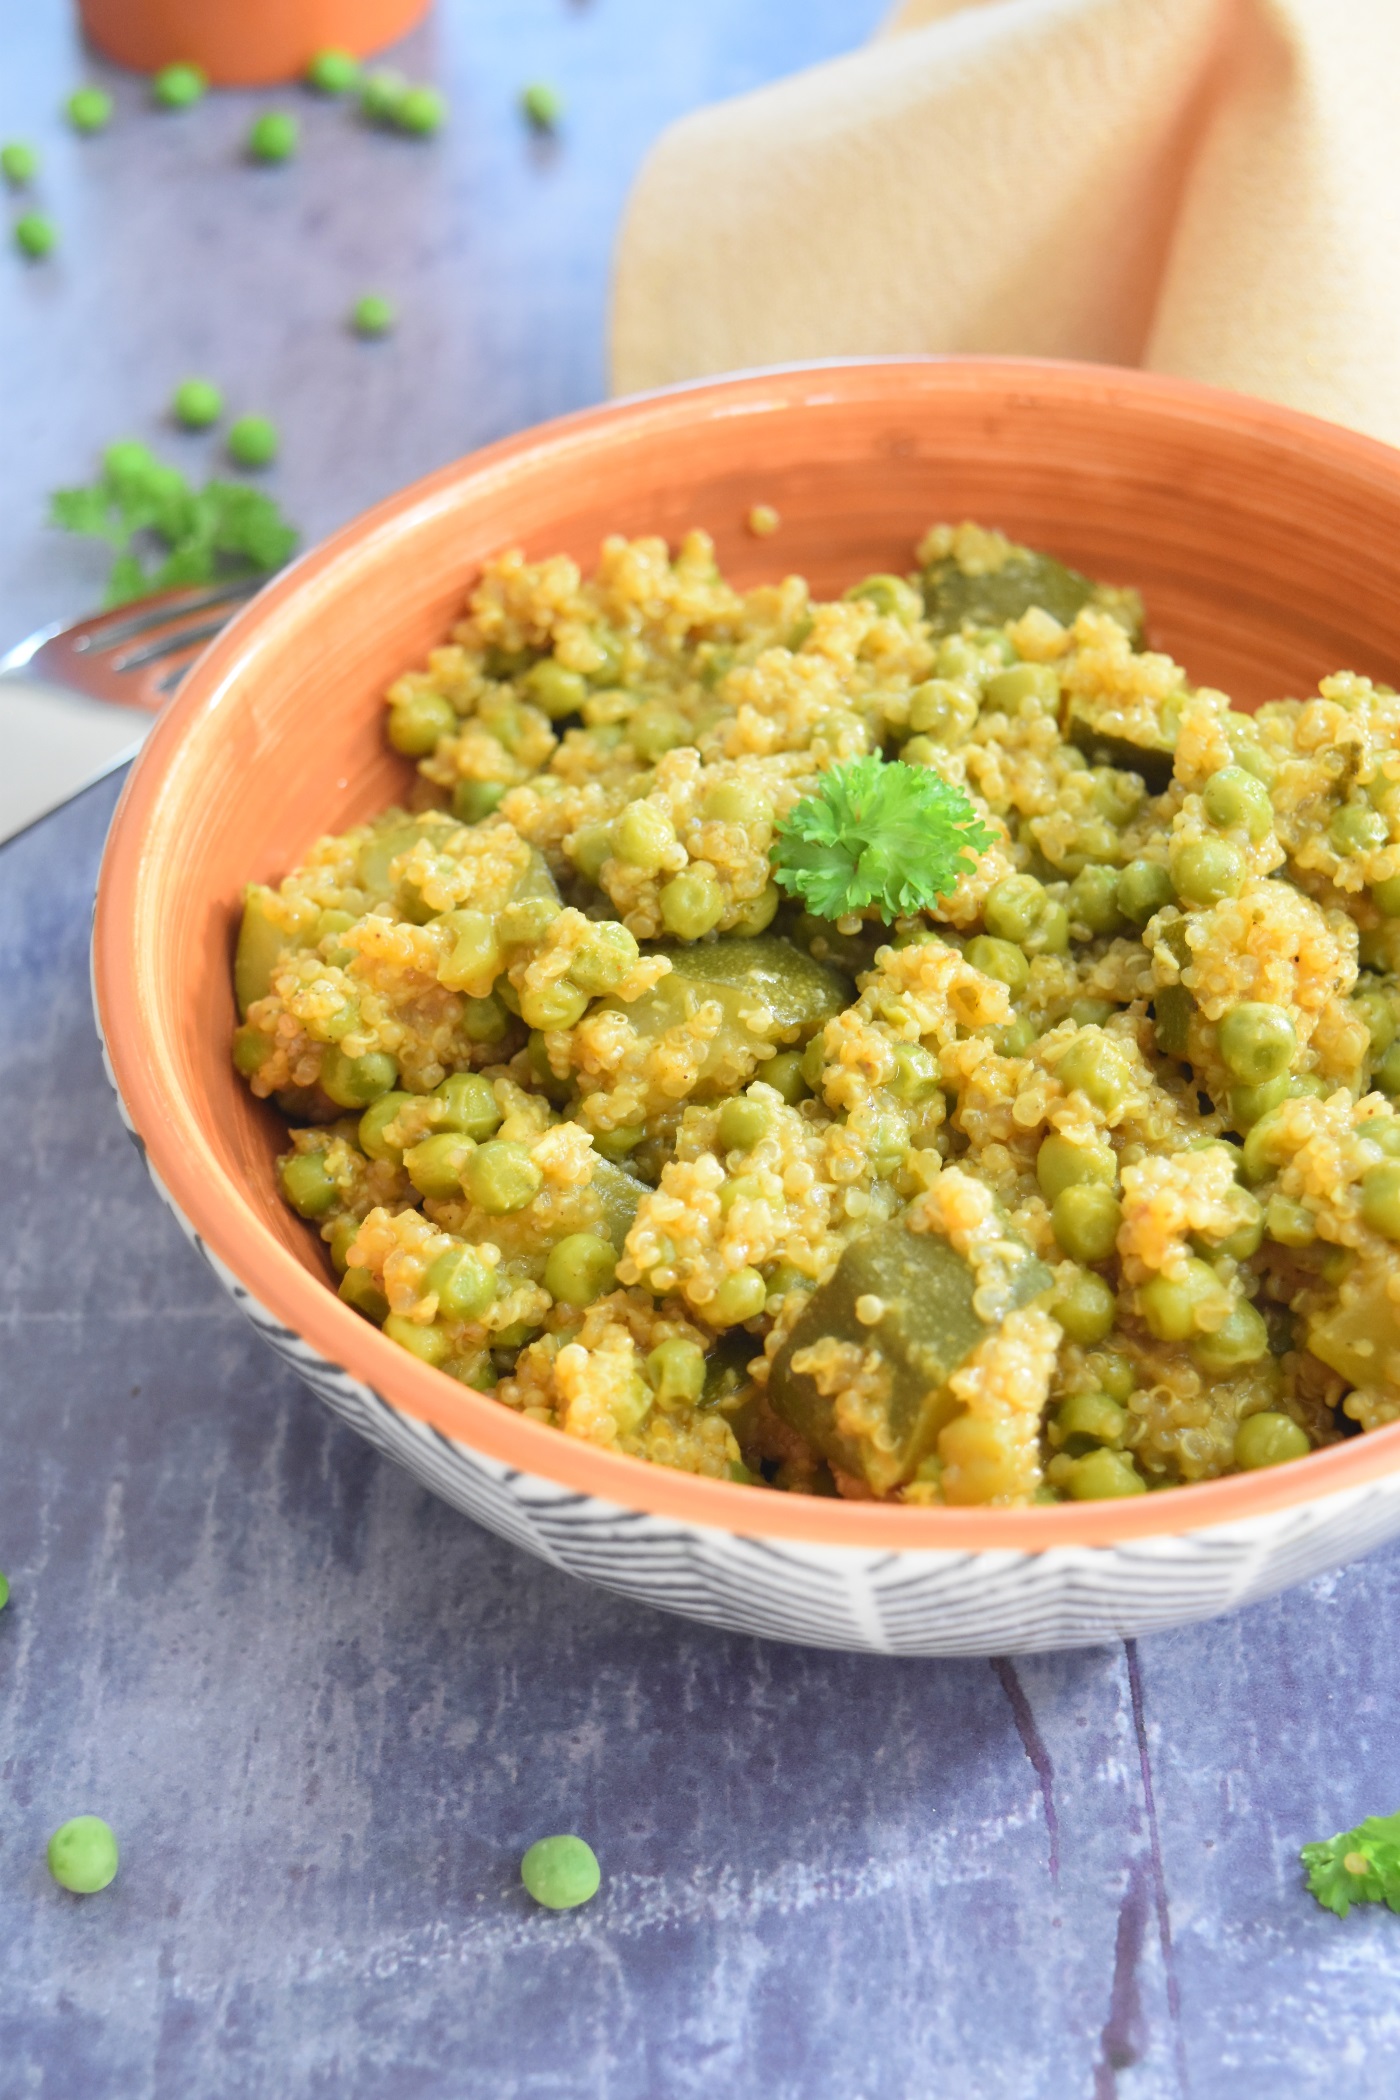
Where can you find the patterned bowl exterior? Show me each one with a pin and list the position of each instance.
(919, 1601)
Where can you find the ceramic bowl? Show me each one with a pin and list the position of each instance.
(1268, 546)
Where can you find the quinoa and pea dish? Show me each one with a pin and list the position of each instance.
(916, 1047)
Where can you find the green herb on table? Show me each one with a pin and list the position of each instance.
(83, 1855)
(253, 441)
(541, 106)
(19, 163)
(196, 404)
(561, 1872)
(179, 86)
(273, 137)
(1357, 1866)
(89, 109)
(334, 72)
(4, 1591)
(373, 316)
(140, 507)
(889, 834)
(35, 236)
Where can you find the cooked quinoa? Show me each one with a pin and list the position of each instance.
(1081, 1182)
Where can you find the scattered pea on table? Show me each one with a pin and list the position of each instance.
(252, 441)
(4, 1591)
(179, 86)
(334, 72)
(542, 106)
(83, 1855)
(561, 1872)
(19, 163)
(35, 236)
(273, 137)
(373, 315)
(89, 109)
(422, 111)
(381, 95)
(196, 404)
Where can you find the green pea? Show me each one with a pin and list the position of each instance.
(1086, 1221)
(1248, 1236)
(273, 136)
(4, 1591)
(737, 802)
(1205, 871)
(557, 1005)
(560, 1872)
(1085, 1307)
(1242, 1339)
(890, 596)
(1386, 897)
(421, 111)
(743, 1123)
(1016, 1038)
(343, 1234)
(1061, 1164)
(334, 72)
(35, 236)
(542, 107)
(581, 1267)
(1090, 1418)
(1289, 1223)
(1250, 1104)
(527, 920)
(474, 800)
(196, 403)
(306, 1184)
(501, 1177)
(419, 721)
(468, 1103)
(375, 1121)
(1233, 798)
(917, 1076)
(353, 1082)
(1257, 1041)
(1095, 1067)
(373, 316)
(999, 959)
(1380, 1198)
(89, 109)
(757, 915)
(957, 658)
(431, 1345)
(1261, 1154)
(589, 848)
(1357, 829)
(253, 441)
(1383, 1132)
(643, 836)
(1117, 796)
(1015, 907)
(19, 163)
(1008, 691)
(656, 729)
(1115, 1374)
(484, 1020)
(1386, 1075)
(604, 959)
(1376, 1011)
(1170, 1305)
(1091, 1013)
(677, 1372)
(465, 1286)
(251, 1050)
(1269, 1439)
(179, 86)
(942, 712)
(692, 903)
(380, 96)
(1105, 1476)
(619, 1144)
(785, 1075)
(359, 1289)
(742, 1296)
(555, 689)
(437, 1165)
(82, 1855)
(1144, 889)
(1093, 900)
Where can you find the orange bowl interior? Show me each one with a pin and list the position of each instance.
(1268, 547)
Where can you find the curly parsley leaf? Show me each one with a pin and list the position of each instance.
(1357, 1866)
(874, 832)
(163, 532)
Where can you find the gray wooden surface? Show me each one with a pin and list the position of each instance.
(325, 1714)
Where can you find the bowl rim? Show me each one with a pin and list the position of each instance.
(218, 1210)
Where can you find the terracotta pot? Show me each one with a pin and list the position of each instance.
(1268, 545)
(243, 43)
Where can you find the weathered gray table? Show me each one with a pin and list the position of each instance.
(324, 1713)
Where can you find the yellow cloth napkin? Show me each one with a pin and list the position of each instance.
(1204, 187)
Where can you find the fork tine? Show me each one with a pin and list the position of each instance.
(110, 630)
(167, 644)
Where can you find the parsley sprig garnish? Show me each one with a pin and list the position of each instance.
(874, 832)
(1357, 1866)
(166, 533)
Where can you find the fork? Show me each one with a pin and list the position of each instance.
(76, 701)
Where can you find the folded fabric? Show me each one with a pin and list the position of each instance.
(1204, 187)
